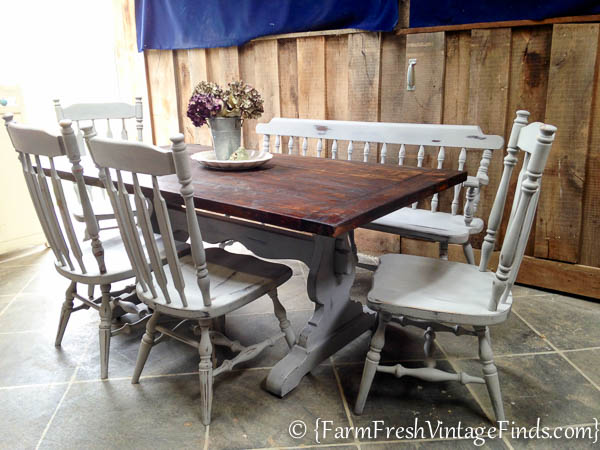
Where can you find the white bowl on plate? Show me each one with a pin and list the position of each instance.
(209, 159)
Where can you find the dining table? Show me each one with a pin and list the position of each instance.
(298, 208)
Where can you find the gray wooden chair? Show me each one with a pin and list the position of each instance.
(104, 113)
(202, 287)
(427, 224)
(120, 115)
(95, 262)
(442, 296)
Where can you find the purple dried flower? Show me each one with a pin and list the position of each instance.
(202, 107)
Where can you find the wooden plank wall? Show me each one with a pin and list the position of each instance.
(479, 76)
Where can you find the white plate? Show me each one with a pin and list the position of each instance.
(208, 159)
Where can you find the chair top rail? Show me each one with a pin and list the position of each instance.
(528, 137)
(95, 111)
(35, 141)
(467, 136)
(132, 156)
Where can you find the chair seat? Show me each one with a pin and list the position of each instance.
(103, 209)
(235, 280)
(433, 289)
(424, 224)
(115, 257)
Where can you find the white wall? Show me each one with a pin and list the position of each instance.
(59, 49)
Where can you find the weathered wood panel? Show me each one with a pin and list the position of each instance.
(530, 60)
(590, 249)
(488, 98)
(479, 76)
(312, 98)
(364, 62)
(162, 90)
(571, 82)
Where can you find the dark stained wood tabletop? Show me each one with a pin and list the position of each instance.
(315, 195)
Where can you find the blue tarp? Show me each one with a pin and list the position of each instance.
(456, 12)
(179, 24)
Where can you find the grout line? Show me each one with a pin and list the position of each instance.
(456, 369)
(560, 352)
(18, 293)
(60, 402)
(344, 400)
(27, 386)
(580, 349)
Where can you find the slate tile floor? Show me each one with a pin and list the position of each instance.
(548, 355)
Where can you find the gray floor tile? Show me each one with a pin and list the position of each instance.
(5, 300)
(588, 361)
(14, 279)
(48, 280)
(436, 444)
(584, 442)
(544, 386)
(35, 312)
(40, 255)
(510, 337)
(525, 291)
(32, 358)
(246, 416)
(25, 413)
(158, 413)
(567, 322)
(399, 401)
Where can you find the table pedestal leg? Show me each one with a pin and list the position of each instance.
(336, 320)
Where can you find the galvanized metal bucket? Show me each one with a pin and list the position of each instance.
(226, 135)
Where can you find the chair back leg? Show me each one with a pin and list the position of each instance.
(65, 313)
(145, 347)
(105, 330)
(490, 372)
(371, 363)
(205, 368)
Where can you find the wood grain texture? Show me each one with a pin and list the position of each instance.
(312, 98)
(288, 86)
(223, 65)
(190, 68)
(590, 248)
(336, 77)
(338, 196)
(530, 61)
(163, 94)
(488, 99)
(247, 63)
(393, 86)
(364, 62)
(456, 100)
(266, 80)
(568, 106)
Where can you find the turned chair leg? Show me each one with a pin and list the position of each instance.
(145, 347)
(284, 323)
(468, 251)
(65, 313)
(444, 251)
(371, 363)
(206, 371)
(490, 372)
(105, 330)
(91, 291)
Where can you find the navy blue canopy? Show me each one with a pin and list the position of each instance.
(425, 13)
(177, 24)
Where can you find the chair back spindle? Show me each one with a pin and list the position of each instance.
(37, 151)
(423, 138)
(536, 141)
(133, 161)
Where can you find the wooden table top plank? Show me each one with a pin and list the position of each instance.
(309, 194)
